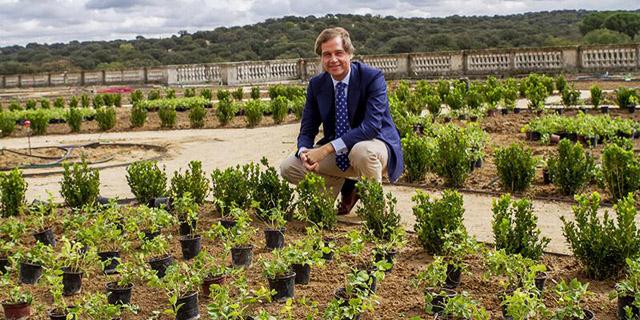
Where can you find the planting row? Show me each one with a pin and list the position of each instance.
(587, 127)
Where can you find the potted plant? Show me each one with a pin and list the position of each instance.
(237, 239)
(462, 307)
(568, 297)
(235, 305)
(456, 247)
(387, 250)
(627, 290)
(277, 270)
(109, 240)
(354, 298)
(515, 271)
(274, 233)
(16, 301)
(32, 261)
(74, 260)
(42, 216)
(187, 210)
(180, 283)
(213, 270)
(157, 253)
(96, 306)
(12, 230)
(120, 289)
(521, 304)
(433, 278)
(305, 253)
(59, 309)
(154, 220)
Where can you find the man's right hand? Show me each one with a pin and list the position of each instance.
(306, 162)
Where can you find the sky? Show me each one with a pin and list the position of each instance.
(61, 21)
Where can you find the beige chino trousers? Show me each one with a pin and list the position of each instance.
(367, 158)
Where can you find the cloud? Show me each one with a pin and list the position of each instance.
(51, 21)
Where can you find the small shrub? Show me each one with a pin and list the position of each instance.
(297, 106)
(170, 93)
(74, 119)
(138, 116)
(117, 100)
(58, 103)
(433, 105)
(193, 182)
(223, 94)
(455, 99)
(624, 97)
(39, 121)
(84, 101)
(570, 96)
(561, 83)
(12, 193)
(14, 105)
(196, 116)
(315, 202)
(271, 190)
(225, 111)
(136, 96)
(418, 156)
(153, 94)
(238, 94)
(620, 170)
(280, 108)
(146, 180)
(73, 102)
(98, 101)
(596, 96)
(536, 93)
(378, 211)
(107, 99)
(255, 93)
(189, 92)
(206, 93)
(7, 124)
(167, 116)
(253, 110)
(571, 169)
(602, 245)
(30, 104)
(516, 167)
(106, 118)
(515, 228)
(80, 184)
(45, 103)
(435, 219)
(451, 159)
(232, 187)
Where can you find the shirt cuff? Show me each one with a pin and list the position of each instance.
(300, 150)
(339, 146)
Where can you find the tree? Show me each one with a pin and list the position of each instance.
(605, 36)
(624, 22)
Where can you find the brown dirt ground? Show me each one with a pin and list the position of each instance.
(397, 298)
(99, 153)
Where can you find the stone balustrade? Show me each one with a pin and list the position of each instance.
(574, 59)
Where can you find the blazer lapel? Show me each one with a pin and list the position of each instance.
(354, 93)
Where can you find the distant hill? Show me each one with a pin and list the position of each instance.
(293, 37)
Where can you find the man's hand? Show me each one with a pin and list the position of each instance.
(311, 158)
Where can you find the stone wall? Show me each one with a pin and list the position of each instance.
(575, 59)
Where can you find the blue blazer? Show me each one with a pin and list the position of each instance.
(369, 114)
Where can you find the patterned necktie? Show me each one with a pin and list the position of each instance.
(342, 123)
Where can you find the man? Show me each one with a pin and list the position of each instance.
(360, 139)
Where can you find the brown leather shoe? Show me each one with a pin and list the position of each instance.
(348, 202)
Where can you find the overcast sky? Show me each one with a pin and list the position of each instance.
(49, 21)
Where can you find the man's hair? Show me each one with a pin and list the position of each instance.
(330, 33)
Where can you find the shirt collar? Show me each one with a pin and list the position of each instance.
(345, 80)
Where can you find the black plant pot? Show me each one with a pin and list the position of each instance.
(534, 135)
(341, 294)
(303, 273)
(516, 110)
(540, 280)
(624, 302)
(161, 264)
(546, 177)
(227, 222)
(160, 202)
(418, 128)
(440, 298)
(454, 276)
(373, 281)
(46, 237)
(284, 286)
(30, 273)
(446, 119)
(478, 163)
(4, 263)
(274, 238)
(328, 256)
(208, 281)
(71, 281)
(102, 200)
(588, 314)
(387, 256)
(57, 315)
(189, 309)
(473, 118)
(504, 112)
(149, 235)
(462, 116)
(191, 246)
(242, 256)
(604, 109)
(118, 295)
(186, 228)
(631, 108)
(111, 267)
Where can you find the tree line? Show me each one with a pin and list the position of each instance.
(293, 37)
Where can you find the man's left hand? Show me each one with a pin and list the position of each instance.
(318, 154)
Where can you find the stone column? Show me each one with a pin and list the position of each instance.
(403, 65)
(571, 59)
(172, 75)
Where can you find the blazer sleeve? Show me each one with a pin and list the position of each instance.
(376, 106)
(310, 122)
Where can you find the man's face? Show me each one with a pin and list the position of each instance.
(335, 59)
